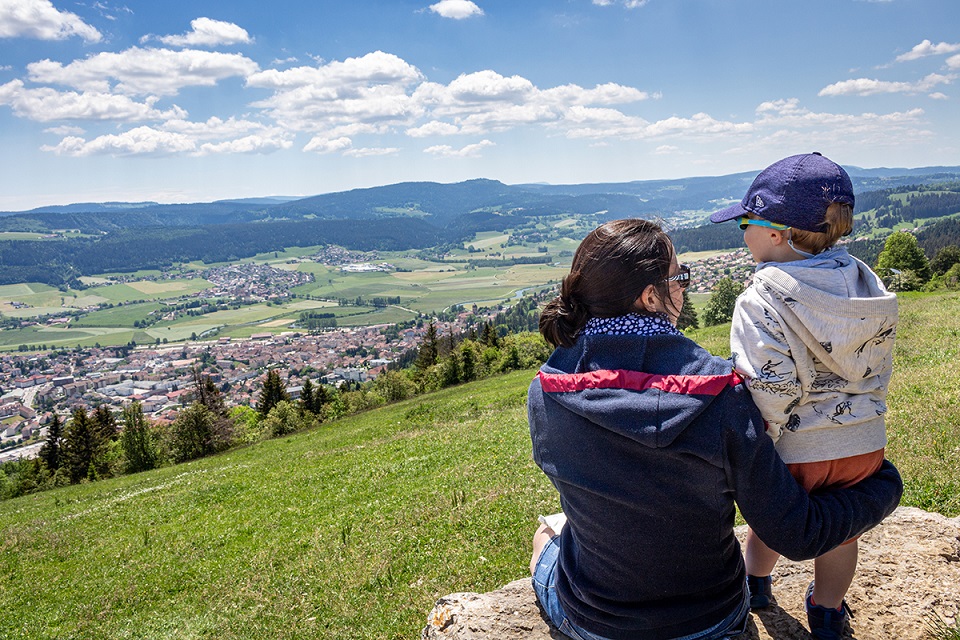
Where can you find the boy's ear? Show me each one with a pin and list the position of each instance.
(777, 237)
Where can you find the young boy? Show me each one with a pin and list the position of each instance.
(813, 337)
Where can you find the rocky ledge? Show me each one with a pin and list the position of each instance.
(909, 573)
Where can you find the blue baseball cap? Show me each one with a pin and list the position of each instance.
(795, 191)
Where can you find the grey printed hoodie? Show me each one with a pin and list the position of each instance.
(814, 340)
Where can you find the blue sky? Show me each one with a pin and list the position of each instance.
(190, 101)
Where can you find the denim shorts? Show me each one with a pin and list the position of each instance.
(544, 584)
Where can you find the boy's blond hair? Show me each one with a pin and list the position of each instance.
(837, 222)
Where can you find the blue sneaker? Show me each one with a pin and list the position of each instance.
(826, 623)
(761, 591)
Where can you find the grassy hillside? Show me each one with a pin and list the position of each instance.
(354, 529)
(349, 531)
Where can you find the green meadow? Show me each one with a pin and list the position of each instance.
(423, 286)
(355, 528)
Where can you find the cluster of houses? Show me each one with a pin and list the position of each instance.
(251, 281)
(35, 385)
(161, 378)
(737, 265)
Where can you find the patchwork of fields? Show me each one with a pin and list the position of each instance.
(115, 313)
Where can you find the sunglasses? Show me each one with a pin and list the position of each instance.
(743, 221)
(682, 278)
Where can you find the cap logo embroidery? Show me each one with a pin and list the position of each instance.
(758, 203)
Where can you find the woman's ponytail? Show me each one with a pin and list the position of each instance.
(562, 319)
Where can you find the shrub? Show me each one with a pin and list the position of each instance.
(719, 309)
(283, 418)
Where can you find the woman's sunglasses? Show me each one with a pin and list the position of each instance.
(743, 221)
(682, 278)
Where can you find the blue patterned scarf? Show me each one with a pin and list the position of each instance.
(631, 324)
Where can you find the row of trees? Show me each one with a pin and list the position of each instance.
(443, 361)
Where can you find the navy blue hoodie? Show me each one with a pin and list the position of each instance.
(650, 441)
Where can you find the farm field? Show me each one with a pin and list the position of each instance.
(423, 283)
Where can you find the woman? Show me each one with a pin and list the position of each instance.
(650, 442)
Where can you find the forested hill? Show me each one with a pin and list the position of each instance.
(146, 235)
(445, 205)
(57, 263)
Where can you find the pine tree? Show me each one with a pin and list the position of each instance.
(192, 433)
(81, 446)
(137, 441)
(512, 359)
(208, 394)
(688, 315)
(468, 361)
(51, 451)
(273, 391)
(321, 396)
(427, 356)
(451, 369)
(306, 397)
(104, 424)
(489, 336)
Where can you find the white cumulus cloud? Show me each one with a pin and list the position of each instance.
(138, 141)
(371, 91)
(320, 144)
(247, 144)
(49, 105)
(40, 19)
(629, 4)
(487, 85)
(371, 151)
(433, 128)
(927, 48)
(206, 32)
(373, 68)
(65, 130)
(469, 151)
(788, 114)
(215, 127)
(869, 86)
(456, 9)
(144, 71)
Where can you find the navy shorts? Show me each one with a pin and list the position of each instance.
(544, 584)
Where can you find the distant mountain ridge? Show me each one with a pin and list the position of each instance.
(419, 215)
(463, 205)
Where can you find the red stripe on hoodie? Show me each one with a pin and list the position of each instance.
(636, 381)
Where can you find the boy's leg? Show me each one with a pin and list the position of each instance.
(540, 540)
(760, 558)
(833, 572)
(760, 561)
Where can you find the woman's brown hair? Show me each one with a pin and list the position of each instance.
(613, 265)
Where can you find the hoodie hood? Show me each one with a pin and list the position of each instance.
(838, 307)
(629, 385)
